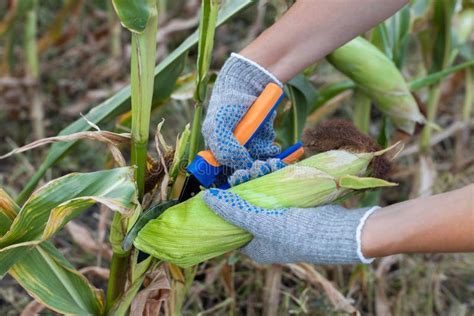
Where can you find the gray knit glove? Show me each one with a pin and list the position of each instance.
(325, 235)
(238, 84)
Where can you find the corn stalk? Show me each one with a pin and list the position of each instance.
(440, 59)
(114, 31)
(465, 25)
(362, 107)
(31, 51)
(141, 18)
(182, 279)
(207, 26)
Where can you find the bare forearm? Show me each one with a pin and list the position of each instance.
(311, 29)
(440, 223)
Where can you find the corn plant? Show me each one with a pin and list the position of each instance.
(25, 250)
(207, 26)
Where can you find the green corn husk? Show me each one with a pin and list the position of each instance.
(378, 76)
(190, 232)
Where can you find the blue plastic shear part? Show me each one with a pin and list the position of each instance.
(289, 150)
(203, 171)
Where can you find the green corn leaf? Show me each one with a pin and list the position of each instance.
(391, 36)
(180, 152)
(441, 34)
(330, 91)
(134, 15)
(302, 95)
(207, 27)
(142, 63)
(403, 36)
(380, 38)
(17, 10)
(399, 28)
(166, 74)
(436, 77)
(47, 276)
(362, 109)
(59, 201)
(385, 132)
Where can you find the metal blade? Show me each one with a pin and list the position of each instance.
(191, 187)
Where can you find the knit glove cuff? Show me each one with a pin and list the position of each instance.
(240, 75)
(360, 227)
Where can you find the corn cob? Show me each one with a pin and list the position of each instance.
(189, 233)
(379, 78)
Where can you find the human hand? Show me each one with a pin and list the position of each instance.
(327, 234)
(259, 168)
(238, 85)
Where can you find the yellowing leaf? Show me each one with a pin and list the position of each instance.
(45, 274)
(51, 206)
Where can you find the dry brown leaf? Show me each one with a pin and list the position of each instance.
(271, 290)
(328, 107)
(307, 272)
(83, 238)
(448, 132)
(382, 303)
(227, 274)
(97, 271)
(424, 178)
(91, 97)
(149, 300)
(110, 138)
(228, 278)
(32, 309)
(175, 25)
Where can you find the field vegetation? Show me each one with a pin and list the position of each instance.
(101, 104)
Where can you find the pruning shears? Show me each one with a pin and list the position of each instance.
(204, 170)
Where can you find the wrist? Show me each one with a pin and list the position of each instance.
(381, 234)
(274, 63)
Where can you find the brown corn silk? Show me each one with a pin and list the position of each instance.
(342, 134)
(190, 232)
